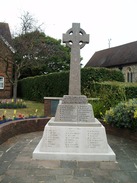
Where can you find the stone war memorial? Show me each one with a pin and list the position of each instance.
(74, 134)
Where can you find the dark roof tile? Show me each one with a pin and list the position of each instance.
(121, 55)
(5, 32)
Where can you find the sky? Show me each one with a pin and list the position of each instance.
(109, 23)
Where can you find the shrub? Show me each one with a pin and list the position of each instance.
(124, 115)
(98, 108)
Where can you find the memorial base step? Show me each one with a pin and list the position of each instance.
(74, 142)
(109, 156)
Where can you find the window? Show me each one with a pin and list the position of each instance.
(129, 75)
(1, 82)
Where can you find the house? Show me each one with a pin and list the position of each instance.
(122, 57)
(6, 61)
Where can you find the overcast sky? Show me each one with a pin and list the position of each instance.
(113, 21)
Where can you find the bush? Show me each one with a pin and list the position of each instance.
(124, 115)
(98, 108)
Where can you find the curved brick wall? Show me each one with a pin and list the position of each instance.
(120, 132)
(10, 129)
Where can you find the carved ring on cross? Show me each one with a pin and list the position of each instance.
(81, 32)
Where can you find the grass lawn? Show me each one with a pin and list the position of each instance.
(33, 108)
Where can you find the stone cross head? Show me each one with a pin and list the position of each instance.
(75, 38)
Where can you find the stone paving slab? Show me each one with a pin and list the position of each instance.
(17, 165)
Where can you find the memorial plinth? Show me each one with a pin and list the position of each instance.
(74, 133)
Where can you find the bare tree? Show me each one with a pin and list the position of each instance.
(34, 48)
(29, 23)
(21, 57)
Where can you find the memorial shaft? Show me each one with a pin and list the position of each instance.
(75, 75)
(75, 38)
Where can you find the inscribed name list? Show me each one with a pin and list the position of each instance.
(75, 113)
(74, 139)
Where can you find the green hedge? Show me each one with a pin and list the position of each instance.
(36, 88)
(110, 94)
(124, 90)
(56, 84)
(90, 76)
(121, 89)
(100, 74)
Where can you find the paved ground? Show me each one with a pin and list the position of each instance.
(17, 165)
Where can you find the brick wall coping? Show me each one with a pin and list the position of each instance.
(53, 98)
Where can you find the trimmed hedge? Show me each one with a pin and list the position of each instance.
(36, 88)
(110, 94)
(124, 91)
(100, 74)
(56, 84)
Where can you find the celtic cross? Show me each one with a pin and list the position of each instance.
(75, 38)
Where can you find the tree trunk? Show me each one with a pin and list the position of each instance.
(15, 88)
(15, 92)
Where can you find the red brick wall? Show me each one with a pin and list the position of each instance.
(10, 129)
(5, 53)
(47, 108)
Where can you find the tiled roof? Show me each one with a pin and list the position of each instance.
(117, 56)
(5, 32)
(5, 35)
